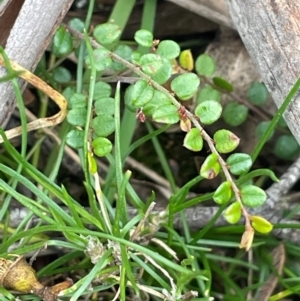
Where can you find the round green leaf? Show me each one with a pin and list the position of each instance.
(107, 33)
(233, 213)
(75, 139)
(239, 163)
(186, 60)
(101, 90)
(158, 99)
(185, 85)
(209, 111)
(223, 84)
(62, 42)
(257, 93)
(164, 73)
(151, 63)
(141, 93)
(77, 116)
(226, 141)
(260, 224)
(210, 167)
(286, 147)
(261, 129)
(166, 114)
(193, 140)
(103, 125)
(77, 100)
(105, 106)
(136, 58)
(168, 49)
(68, 92)
(125, 53)
(102, 59)
(205, 65)
(61, 74)
(101, 146)
(223, 193)
(144, 37)
(208, 93)
(252, 196)
(76, 24)
(235, 114)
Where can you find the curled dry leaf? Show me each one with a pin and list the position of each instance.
(18, 275)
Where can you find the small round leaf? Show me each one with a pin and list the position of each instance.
(185, 85)
(208, 93)
(159, 99)
(166, 114)
(260, 224)
(125, 53)
(141, 93)
(144, 37)
(235, 114)
(168, 49)
(107, 33)
(223, 84)
(76, 24)
(75, 139)
(210, 167)
(239, 163)
(101, 90)
(193, 140)
(223, 193)
(186, 60)
(61, 74)
(77, 116)
(252, 196)
(257, 93)
(77, 100)
(164, 73)
(102, 59)
(101, 146)
(62, 42)
(105, 106)
(261, 129)
(226, 141)
(286, 147)
(205, 65)
(209, 111)
(233, 213)
(103, 125)
(151, 63)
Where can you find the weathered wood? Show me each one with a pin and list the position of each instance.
(27, 41)
(270, 30)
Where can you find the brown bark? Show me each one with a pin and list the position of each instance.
(27, 40)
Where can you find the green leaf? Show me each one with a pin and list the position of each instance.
(102, 59)
(208, 93)
(166, 114)
(235, 114)
(76, 24)
(233, 213)
(225, 141)
(239, 163)
(223, 193)
(136, 58)
(77, 116)
(168, 49)
(107, 33)
(101, 90)
(75, 139)
(144, 37)
(159, 99)
(151, 63)
(205, 65)
(141, 93)
(77, 100)
(209, 111)
(186, 60)
(260, 224)
(210, 167)
(261, 129)
(125, 53)
(252, 196)
(128, 99)
(62, 42)
(62, 74)
(185, 85)
(105, 106)
(286, 147)
(193, 140)
(222, 84)
(103, 125)
(257, 93)
(101, 146)
(164, 73)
